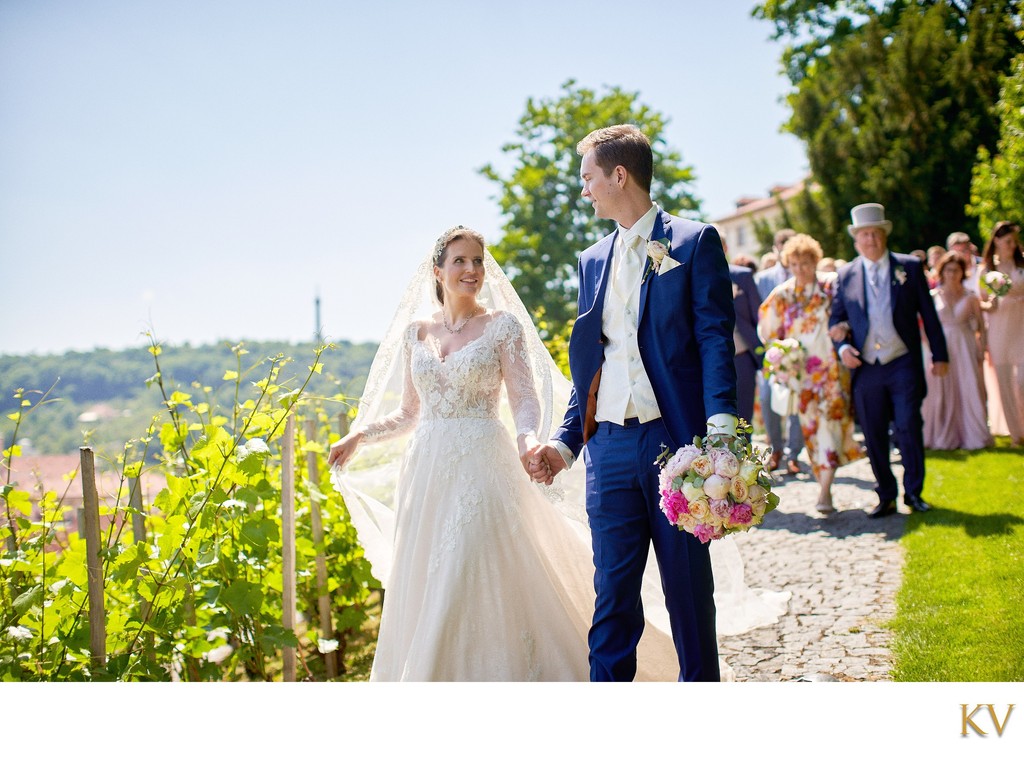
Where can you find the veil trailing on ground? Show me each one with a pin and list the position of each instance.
(368, 480)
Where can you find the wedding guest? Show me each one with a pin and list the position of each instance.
(879, 305)
(935, 253)
(746, 302)
(1005, 370)
(746, 261)
(784, 434)
(768, 260)
(954, 409)
(799, 308)
(827, 264)
(960, 243)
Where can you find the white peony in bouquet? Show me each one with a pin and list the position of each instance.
(997, 283)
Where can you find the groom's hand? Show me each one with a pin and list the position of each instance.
(543, 463)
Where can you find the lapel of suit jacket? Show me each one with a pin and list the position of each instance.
(604, 263)
(858, 288)
(894, 286)
(662, 224)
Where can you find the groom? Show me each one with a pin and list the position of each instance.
(651, 357)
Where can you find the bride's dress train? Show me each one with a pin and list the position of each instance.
(489, 576)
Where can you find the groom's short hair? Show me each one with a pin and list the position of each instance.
(621, 145)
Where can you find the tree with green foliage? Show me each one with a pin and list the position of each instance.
(997, 191)
(893, 101)
(546, 223)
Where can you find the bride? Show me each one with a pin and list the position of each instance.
(489, 576)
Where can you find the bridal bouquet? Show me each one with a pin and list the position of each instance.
(784, 363)
(997, 283)
(713, 487)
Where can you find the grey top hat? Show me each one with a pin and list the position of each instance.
(869, 215)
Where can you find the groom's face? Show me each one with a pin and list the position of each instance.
(602, 190)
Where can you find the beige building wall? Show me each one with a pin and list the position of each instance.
(737, 228)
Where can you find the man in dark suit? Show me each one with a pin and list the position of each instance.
(651, 357)
(746, 301)
(874, 322)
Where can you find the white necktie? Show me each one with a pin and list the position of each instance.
(628, 279)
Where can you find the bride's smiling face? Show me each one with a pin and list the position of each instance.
(461, 271)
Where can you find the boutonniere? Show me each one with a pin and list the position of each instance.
(657, 253)
(901, 275)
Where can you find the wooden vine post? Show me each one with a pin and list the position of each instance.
(288, 542)
(323, 596)
(94, 566)
(139, 535)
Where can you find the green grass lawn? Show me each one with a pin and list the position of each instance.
(960, 611)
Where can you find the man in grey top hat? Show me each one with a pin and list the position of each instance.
(874, 322)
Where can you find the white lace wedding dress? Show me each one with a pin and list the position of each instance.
(488, 581)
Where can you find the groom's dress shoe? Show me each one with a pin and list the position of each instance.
(883, 509)
(917, 503)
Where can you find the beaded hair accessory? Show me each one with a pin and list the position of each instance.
(443, 240)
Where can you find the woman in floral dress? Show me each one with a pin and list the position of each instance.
(799, 309)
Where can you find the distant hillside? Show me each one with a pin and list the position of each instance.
(103, 397)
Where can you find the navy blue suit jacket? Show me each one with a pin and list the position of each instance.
(747, 302)
(684, 334)
(909, 299)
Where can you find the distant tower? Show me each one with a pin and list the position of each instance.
(318, 336)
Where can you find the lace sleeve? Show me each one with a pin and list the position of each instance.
(518, 376)
(405, 417)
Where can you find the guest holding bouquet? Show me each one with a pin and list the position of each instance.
(954, 408)
(798, 309)
(1002, 282)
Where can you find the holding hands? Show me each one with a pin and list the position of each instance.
(541, 461)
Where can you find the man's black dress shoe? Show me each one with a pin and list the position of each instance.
(917, 503)
(883, 509)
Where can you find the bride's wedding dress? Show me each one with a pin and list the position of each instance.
(488, 576)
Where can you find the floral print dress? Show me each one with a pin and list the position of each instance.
(823, 406)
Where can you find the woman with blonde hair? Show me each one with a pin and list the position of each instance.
(799, 309)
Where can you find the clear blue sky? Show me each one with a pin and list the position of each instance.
(207, 168)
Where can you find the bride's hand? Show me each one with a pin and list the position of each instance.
(342, 450)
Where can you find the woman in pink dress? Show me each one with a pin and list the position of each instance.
(954, 409)
(799, 308)
(1005, 370)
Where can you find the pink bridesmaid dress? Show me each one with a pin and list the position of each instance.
(954, 409)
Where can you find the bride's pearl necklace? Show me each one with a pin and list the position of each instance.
(463, 323)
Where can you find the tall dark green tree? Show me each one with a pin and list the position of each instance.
(997, 191)
(893, 101)
(547, 224)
